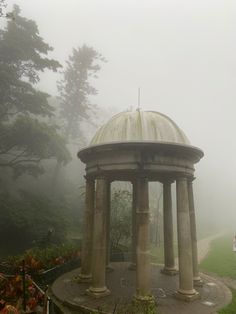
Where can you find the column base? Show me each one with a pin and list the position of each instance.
(146, 298)
(169, 271)
(144, 304)
(84, 278)
(132, 266)
(98, 292)
(198, 282)
(187, 296)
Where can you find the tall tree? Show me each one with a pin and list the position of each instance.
(3, 8)
(26, 135)
(75, 88)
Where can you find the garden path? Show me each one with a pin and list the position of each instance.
(203, 247)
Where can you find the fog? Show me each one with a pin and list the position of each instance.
(182, 56)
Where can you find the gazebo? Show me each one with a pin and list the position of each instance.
(140, 147)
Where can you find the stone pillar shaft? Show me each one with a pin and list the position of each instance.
(169, 267)
(108, 220)
(134, 228)
(98, 287)
(143, 253)
(196, 276)
(184, 239)
(86, 258)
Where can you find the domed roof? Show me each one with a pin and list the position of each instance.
(140, 126)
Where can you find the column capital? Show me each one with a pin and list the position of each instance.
(191, 179)
(88, 178)
(167, 181)
(182, 178)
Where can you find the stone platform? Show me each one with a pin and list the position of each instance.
(71, 296)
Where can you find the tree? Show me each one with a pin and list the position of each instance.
(27, 219)
(27, 136)
(75, 88)
(121, 217)
(3, 8)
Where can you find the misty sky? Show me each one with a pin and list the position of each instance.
(182, 53)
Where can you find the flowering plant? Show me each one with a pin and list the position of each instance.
(11, 294)
(38, 260)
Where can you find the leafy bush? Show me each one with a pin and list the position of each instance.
(27, 219)
(121, 217)
(11, 294)
(40, 259)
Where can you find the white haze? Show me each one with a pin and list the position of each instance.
(182, 53)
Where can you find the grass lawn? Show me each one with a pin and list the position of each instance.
(221, 260)
(231, 308)
(157, 253)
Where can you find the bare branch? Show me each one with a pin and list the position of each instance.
(21, 154)
(6, 151)
(36, 160)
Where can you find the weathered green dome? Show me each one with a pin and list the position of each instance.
(140, 126)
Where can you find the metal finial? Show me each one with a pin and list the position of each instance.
(138, 99)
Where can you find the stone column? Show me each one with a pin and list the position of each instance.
(196, 278)
(169, 267)
(98, 287)
(86, 258)
(143, 253)
(186, 290)
(108, 224)
(134, 228)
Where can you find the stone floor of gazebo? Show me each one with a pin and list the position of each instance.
(71, 296)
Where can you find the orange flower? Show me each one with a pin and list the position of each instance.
(18, 278)
(9, 309)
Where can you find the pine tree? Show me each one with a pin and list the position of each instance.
(26, 136)
(75, 89)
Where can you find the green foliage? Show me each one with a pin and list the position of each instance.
(38, 259)
(75, 88)
(27, 137)
(147, 306)
(2, 7)
(3, 12)
(230, 309)
(221, 259)
(26, 220)
(33, 141)
(22, 48)
(121, 217)
(157, 253)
